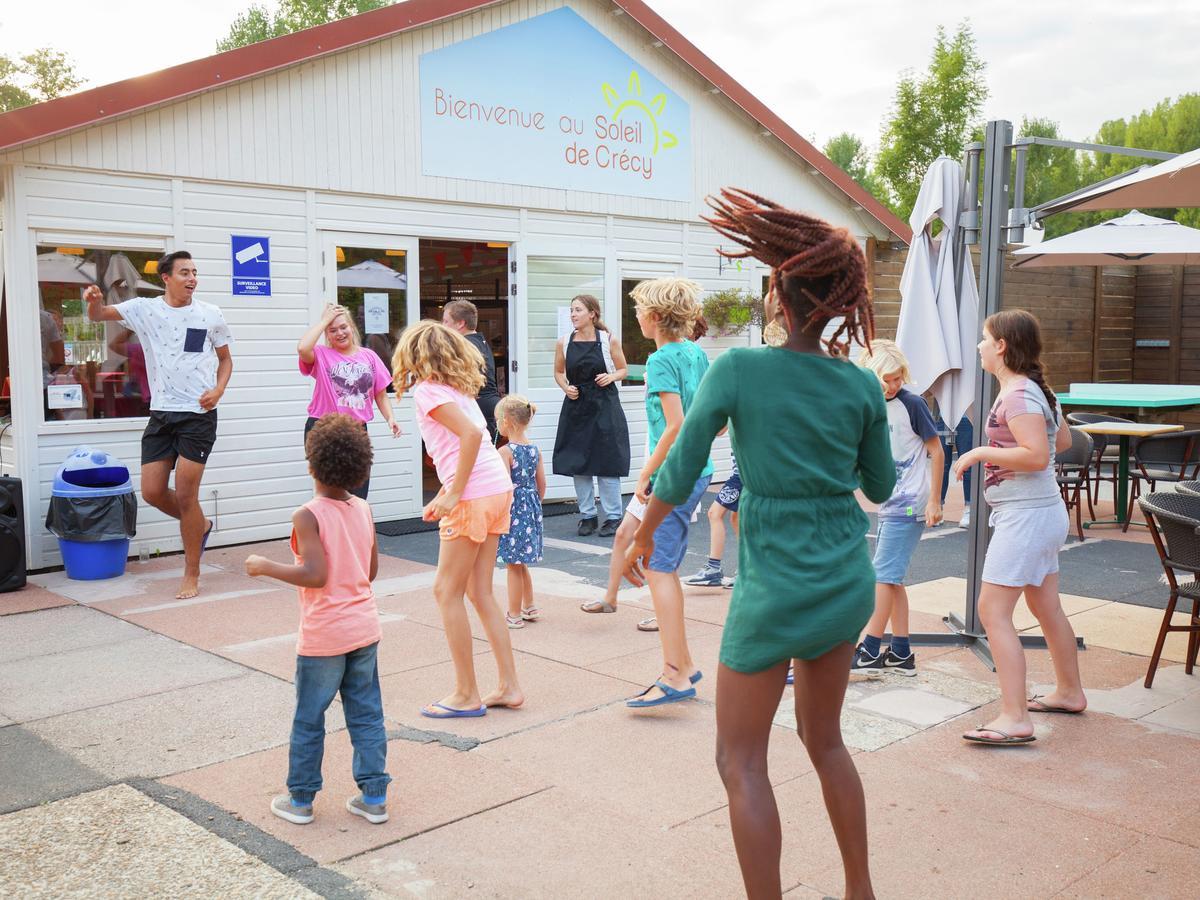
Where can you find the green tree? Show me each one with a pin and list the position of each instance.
(41, 75)
(1171, 125)
(931, 116)
(257, 23)
(849, 153)
(1050, 172)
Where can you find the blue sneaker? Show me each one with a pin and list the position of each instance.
(706, 577)
(901, 665)
(865, 663)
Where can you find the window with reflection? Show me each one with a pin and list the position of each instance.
(92, 370)
(373, 285)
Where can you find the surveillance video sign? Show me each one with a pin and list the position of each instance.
(251, 266)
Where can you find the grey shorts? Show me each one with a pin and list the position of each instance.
(1025, 544)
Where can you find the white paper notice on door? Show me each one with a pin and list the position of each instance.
(375, 313)
(564, 321)
(64, 396)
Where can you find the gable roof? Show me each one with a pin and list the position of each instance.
(56, 117)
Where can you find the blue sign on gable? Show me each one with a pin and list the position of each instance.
(251, 265)
(552, 102)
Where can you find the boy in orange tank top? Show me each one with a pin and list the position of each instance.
(333, 541)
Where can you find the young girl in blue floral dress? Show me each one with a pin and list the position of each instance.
(522, 546)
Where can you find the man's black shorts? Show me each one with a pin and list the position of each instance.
(171, 434)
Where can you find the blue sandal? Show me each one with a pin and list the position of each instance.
(669, 695)
(449, 712)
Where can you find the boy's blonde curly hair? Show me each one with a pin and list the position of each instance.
(674, 302)
(885, 358)
(429, 351)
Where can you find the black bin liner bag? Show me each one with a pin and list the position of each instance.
(89, 519)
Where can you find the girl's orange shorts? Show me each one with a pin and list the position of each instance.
(476, 519)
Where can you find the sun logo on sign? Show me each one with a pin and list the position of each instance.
(658, 103)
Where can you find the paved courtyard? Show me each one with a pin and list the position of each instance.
(142, 738)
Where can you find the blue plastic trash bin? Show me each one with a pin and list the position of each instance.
(93, 513)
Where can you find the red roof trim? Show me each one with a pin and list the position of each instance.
(55, 117)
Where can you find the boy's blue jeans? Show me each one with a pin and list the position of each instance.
(964, 440)
(318, 680)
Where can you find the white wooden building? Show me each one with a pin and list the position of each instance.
(409, 136)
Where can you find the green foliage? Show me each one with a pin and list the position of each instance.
(258, 24)
(41, 75)
(729, 311)
(1050, 172)
(850, 154)
(932, 115)
(1172, 126)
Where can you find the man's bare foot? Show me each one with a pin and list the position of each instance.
(1057, 702)
(189, 587)
(511, 698)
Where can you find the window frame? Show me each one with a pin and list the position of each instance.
(110, 240)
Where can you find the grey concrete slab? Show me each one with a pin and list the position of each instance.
(45, 686)
(33, 771)
(59, 630)
(117, 842)
(179, 730)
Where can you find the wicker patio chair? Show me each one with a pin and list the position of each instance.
(1171, 457)
(1188, 487)
(1073, 465)
(1174, 520)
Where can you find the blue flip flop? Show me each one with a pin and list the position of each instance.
(670, 695)
(204, 540)
(449, 712)
(695, 676)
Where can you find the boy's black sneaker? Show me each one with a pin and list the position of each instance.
(865, 663)
(901, 665)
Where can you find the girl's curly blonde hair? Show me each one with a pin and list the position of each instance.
(429, 351)
(674, 302)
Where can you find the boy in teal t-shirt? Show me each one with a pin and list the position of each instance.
(667, 309)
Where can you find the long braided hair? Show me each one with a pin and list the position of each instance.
(818, 270)
(1022, 337)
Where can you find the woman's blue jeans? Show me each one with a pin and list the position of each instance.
(610, 496)
(964, 440)
(318, 680)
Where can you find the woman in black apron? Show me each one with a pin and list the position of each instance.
(593, 437)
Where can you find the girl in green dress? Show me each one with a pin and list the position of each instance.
(808, 429)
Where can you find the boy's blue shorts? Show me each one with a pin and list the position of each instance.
(897, 540)
(671, 537)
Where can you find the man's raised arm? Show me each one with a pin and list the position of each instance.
(96, 310)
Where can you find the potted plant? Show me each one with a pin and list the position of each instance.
(731, 310)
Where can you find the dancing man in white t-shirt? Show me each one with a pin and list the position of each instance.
(186, 344)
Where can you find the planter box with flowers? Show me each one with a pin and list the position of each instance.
(732, 310)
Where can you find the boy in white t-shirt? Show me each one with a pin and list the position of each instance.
(915, 503)
(186, 343)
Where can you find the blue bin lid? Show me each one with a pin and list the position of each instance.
(89, 472)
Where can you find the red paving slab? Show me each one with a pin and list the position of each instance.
(432, 786)
(553, 691)
(641, 667)
(1151, 867)
(1100, 668)
(221, 623)
(934, 836)
(555, 844)
(30, 599)
(657, 768)
(1096, 766)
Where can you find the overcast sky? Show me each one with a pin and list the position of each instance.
(824, 66)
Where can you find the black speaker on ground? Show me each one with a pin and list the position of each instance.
(12, 535)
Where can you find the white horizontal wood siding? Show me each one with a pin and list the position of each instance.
(350, 122)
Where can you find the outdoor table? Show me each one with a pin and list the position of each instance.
(1123, 430)
(1145, 398)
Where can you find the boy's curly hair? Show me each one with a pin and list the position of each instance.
(339, 452)
(429, 351)
(675, 303)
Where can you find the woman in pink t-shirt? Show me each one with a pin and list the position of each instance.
(346, 375)
(446, 372)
